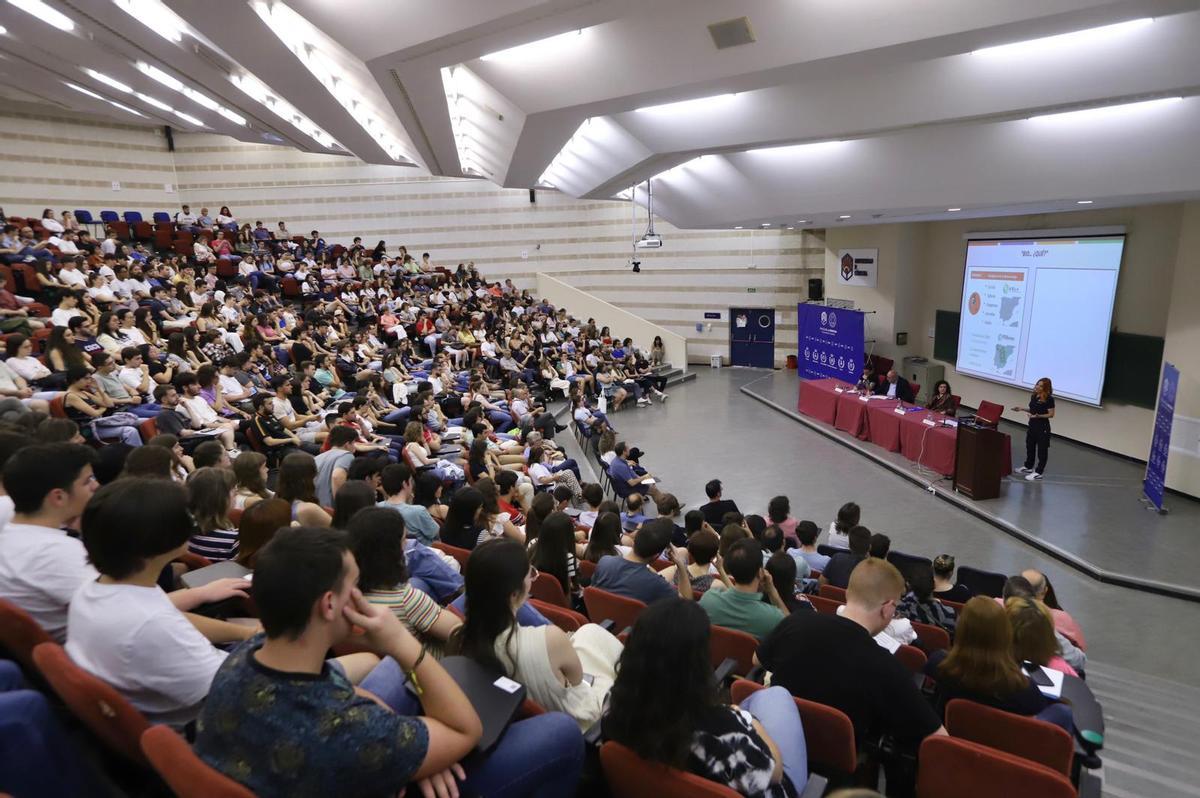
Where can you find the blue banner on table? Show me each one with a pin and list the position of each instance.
(831, 342)
(1160, 442)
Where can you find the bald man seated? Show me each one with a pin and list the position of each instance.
(1063, 621)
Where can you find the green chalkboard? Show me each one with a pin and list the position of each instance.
(1131, 374)
(945, 336)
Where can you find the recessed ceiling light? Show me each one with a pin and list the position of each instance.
(684, 106)
(534, 50)
(51, 16)
(191, 120)
(155, 16)
(844, 216)
(1063, 40)
(3, 30)
(107, 81)
(953, 210)
(797, 149)
(803, 221)
(1084, 202)
(739, 227)
(789, 227)
(1091, 114)
(96, 96)
(765, 224)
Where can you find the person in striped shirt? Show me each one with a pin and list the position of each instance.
(210, 495)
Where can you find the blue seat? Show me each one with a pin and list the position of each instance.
(132, 217)
(982, 583)
(162, 217)
(84, 217)
(109, 216)
(829, 551)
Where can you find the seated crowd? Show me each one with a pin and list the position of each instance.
(377, 450)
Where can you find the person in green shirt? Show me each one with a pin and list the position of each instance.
(742, 607)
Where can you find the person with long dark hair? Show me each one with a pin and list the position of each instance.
(554, 553)
(297, 486)
(550, 664)
(604, 539)
(666, 707)
(353, 496)
(464, 519)
(1037, 436)
(942, 400)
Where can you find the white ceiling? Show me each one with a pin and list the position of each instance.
(924, 124)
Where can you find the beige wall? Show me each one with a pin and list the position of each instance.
(921, 272)
(55, 163)
(1183, 349)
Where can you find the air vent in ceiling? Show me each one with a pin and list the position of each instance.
(731, 32)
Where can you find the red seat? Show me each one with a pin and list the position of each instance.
(120, 229)
(838, 594)
(226, 268)
(604, 606)
(143, 231)
(148, 429)
(990, 412)
(828, 732)
(565, 619)
(58, 406)
(183, 247)
(163, 239)
(725, 643)
(462, 555)
(661, 564)
(912, 658)
(95, 704)
(630, 776)
(547, 588)
(916, 389)
(235, 516)
(20, 634)
(951, 768)
(825, 605)
(184, 772)
(587, 569)
(932, 638)
(1028, 738)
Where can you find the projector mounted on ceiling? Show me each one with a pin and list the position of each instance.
(649, 239)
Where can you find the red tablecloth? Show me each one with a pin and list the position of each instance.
(818, 399)
(935, 447)
(852, 414)
(883, 425)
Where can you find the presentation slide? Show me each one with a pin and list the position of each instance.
(1040, 307)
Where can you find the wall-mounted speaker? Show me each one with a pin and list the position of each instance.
(532, 196)
(170, 138)
(816, 289)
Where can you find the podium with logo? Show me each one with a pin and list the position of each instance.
(979, 461)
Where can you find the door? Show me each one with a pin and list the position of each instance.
(752, 337)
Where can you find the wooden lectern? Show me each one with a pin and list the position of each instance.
(977, 464)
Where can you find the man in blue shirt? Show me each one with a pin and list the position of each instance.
(631, 576)
(621, 470)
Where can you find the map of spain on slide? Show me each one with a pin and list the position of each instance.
(1003, 353)
(1008, 304)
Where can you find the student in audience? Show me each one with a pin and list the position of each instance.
(717, 506)
(631, 576)
(464, 519)
(1034, 639)
(10, 444)
(1063, 621)
(348, 743)
(779, 513)
(210, 497)
(919, 603)
(833, 659)
(355, 495)
(397, 483)
(553, 553)
(756, 748)
(668, 508)
(702, 548)
(211, 454)
(623, 469)
(297, 475)
(848, 516)
(741, 607)
(837, 571)
(250, 473)
(980, 667)
(41, 566)
(1019, 587)
(880, 545)
(333, 464)
(944, 586)
(782, 570)
(550, 664)
(377, 538)
(260, 521)
(144, 462)
(806, 535)
(122, 627)
(604, 540)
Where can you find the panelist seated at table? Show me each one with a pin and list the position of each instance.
(866, 383)
(893, 386)
(942, 400)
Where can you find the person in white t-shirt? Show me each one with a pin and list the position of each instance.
(41, 566)
(121, 626)
(70, 274)
(10, 444)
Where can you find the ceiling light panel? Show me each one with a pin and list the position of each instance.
(258, 91)
(203, 100)
(698, 105)
(48, 14)
(460, 87)
(538, 51)
(1117, 111)
(108, 81)
(1065, 41)
(309, 45)
(155, 16)
(96, 96)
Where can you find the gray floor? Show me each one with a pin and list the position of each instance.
(1086, 511)
(709, 428)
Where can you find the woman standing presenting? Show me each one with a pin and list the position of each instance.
(1037, 438)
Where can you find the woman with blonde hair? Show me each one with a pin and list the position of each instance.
(1033, 634)
(210, 495)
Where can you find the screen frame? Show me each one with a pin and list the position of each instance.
(1050, 233)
